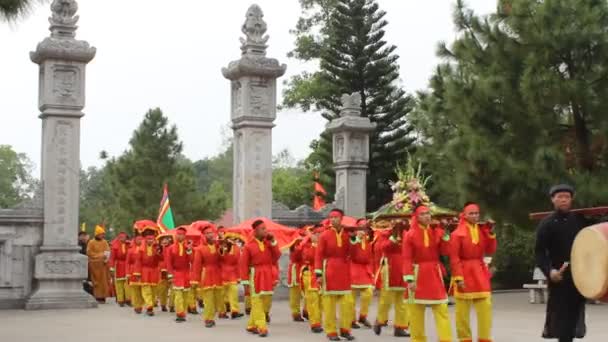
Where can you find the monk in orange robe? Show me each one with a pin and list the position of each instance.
(98, 251)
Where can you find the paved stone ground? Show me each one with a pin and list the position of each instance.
(515, 321)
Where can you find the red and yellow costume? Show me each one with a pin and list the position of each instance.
(195, 294)
(309, 283)
(293, 280)
(118, 267)
(362, 278)
(134, 274)
(229, 260)
(332, 265)
(207, 269)
(421, 265)
(179, 258)
(392, 284)
(149, 267)
(469, 244)
(162, 290)
(257, 262)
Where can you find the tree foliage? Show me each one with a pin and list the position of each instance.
(16, 181)
(518, 105)
(129, 187)
(347, 38)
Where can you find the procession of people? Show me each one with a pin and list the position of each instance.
(335, 267)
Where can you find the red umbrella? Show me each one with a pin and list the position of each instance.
(283, 234)
(142, 225)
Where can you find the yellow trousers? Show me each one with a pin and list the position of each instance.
(330, 302)
(483, 308)
(365, 295)
(231, 296)
(162, 292)
(179, 300)
(260, 305)
(148, 294)
(295, 299)
(213, 298)
(137, 299)
(312, 300)
(127, 292)
(192, 296)
(442, 322)
(387, 299)
(120, 287)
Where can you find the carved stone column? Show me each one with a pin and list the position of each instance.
(253, 110)
(351, 155)
(59, 268)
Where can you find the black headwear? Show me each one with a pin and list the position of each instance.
(561, 188)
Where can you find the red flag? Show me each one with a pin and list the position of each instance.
(318, 200)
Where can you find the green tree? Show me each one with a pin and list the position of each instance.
(16, 181)
(12, 9)
(517, 106)
(137, 176)
(292, 183)
(353, 57)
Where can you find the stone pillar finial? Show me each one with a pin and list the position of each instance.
(254, 29)
(63, 20)
(60, 268)
(351, 155)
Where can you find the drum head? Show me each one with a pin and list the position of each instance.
(589, 261)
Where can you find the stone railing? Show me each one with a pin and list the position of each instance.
(20, 240)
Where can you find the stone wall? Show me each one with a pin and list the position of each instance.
(20, 239)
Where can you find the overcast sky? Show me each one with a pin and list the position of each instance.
(150, 55)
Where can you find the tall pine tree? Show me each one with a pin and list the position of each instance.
(518, 105)
(354, 57)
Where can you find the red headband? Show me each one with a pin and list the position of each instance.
(181, 231)
(420, 210)
(471, 207)
(335, 213)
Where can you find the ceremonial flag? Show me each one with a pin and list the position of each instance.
(165, 215)
(318, 200)
(83, 227)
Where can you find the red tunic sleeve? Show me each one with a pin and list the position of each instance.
(455, 262)
(169, 260)
(197, 265)
(244, 264)
(320, 254)
(408, 255)
(113, 252)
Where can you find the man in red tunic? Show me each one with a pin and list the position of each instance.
(361, 272)
(259, 257)
(149, 267)
(310, 286)
(293, 280)
(230, 253)
(179, 258)
(207, 269)
(422, 247)
(391, 284)
(470, 243)
(134, 274)
(332, 267)
(118, 267)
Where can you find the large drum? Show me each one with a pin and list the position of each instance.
(589, 262)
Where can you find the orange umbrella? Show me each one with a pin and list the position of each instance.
(284, 235)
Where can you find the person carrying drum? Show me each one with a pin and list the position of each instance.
(565, 317)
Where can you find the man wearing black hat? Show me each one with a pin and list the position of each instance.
(565, 317)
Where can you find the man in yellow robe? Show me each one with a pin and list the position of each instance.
(98, 251)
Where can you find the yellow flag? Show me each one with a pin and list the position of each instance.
(83, 227)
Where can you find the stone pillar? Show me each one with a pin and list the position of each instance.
(253, 110)
(351, 155)
(59, 268)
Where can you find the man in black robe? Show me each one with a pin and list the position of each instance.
(565, 319)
